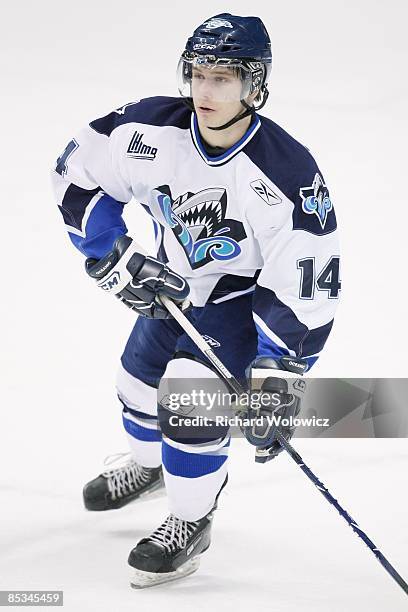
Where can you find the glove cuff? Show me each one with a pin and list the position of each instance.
(288, 367)
(114, 271)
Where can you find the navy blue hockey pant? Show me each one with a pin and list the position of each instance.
(194, 469)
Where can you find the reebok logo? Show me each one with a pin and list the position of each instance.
(138, 150)
(265, 192)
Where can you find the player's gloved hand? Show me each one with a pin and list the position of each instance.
(138, 280)
(278, 398)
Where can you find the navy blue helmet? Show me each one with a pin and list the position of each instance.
(230, 41)
(232, 36)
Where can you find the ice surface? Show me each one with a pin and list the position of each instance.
(277, 544)
(337, 86)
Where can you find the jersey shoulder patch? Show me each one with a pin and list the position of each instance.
(292, 168)
(157, 111)
(313, 210)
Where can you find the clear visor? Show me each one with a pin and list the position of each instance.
(205, 79)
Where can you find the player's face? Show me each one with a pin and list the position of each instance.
(216, 94)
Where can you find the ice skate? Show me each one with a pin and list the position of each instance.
(171, 552)
(116, 487)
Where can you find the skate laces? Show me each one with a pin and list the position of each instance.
(173, 533)
(125, 478)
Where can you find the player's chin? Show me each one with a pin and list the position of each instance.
(208, 120)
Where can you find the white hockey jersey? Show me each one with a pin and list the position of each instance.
(257, 218)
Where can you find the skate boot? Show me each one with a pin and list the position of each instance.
(170, 552)
(116, 487)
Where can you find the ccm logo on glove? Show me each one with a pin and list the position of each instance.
(111, 282)
(138, 280)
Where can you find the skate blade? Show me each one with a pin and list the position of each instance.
(155, 492)
(143, 580)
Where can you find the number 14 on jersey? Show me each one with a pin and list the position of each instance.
(311, 279)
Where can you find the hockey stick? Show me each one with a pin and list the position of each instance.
(235, 386)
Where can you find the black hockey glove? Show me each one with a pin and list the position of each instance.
(137, 280)
(272, 407)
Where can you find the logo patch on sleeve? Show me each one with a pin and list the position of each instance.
(316, 200)
(315, 213)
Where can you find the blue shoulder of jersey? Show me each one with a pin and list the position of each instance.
(159, 111)
(292, 168)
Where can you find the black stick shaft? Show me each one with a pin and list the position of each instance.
(235, 387)
(355, 527)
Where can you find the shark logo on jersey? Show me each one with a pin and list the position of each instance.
(199, 223)
(212, 24)
(265, 192)
(316, 200)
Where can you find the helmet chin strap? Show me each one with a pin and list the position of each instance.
(249, 110)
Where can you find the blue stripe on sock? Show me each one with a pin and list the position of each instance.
(141, 433)
(190, 465)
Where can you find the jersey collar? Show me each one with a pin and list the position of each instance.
(229, 153)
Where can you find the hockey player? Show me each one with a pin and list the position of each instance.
(246, 245)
